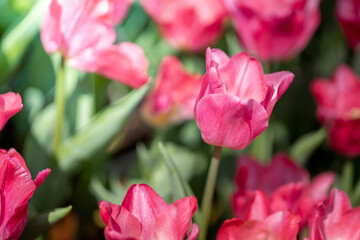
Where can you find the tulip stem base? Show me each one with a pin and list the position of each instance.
(206, 202)
(60, 105)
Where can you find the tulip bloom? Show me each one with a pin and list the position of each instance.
(348, 15)
(16, 191)
(236, 99)
(83, 32)
(278, 226)
(173, 98)
(274, 30)
(339, 109)
(336, 219)
(282, 186)
(10, 104)
(145, 215)
(187, 24)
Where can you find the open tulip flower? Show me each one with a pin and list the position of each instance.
(236, 99)
(173, 98)
(335, 219)
(274, 30)
(17, 188)
(280, 186)
(83, 31)
(338, 109)
(348, 15)
(187, 24)
(281, 225)
(10, 104)
(144, 215)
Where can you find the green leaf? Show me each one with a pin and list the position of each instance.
(306, 145)
(180, 187)
(14, 44)
(41, 223)
(100, 130)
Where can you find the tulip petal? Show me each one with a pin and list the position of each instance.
(175, 220)
(277, 83)
(10, 104)
(227, 121)
(194, 232)
(146, 205)
(17, 188)
(125, 63)
(121, 8)
(244, 77)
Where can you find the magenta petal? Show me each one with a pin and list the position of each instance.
(244, 77)
(175, 220)
(41, 177)
(194, 232)
(125, 63)
(10, 104)
(17, 188)
(121, 8)
(225, 120)
(278, 83)
(146, 205)
(120, 223)
(217, 56)
(51, 37)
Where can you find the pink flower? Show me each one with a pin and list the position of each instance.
(173, 98)
(274, 30)
(187, 24)
(83, 31)
(280, 186)
(336, 219)
(348, 15)
(145, 215)
(236, 99)
(339, 109)
(278, 226)
(17, 188)
(10, 104)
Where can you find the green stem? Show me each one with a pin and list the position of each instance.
(60, 105)
(209, 192)
(348, 177)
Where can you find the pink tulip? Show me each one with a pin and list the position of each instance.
(236, 99)
(336, 219)
(348, 15)
(10, 104)
(145, 215)
(278, 226)
(173, 98)
(274, 30)
(187, 24)
(16, 191)
(339, 109)
(83, 32)
(280, 186)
